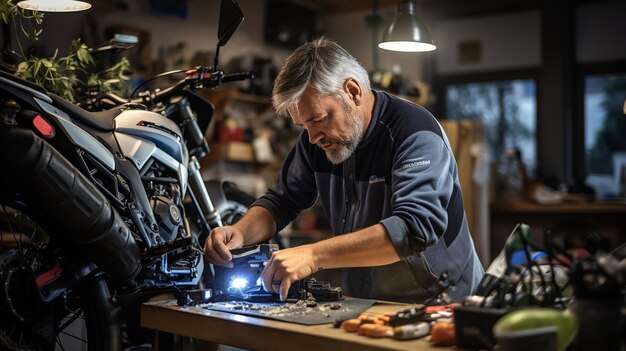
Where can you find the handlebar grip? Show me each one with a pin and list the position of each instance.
(232, 77)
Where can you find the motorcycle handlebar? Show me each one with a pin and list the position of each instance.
(196, 79)
(233, 77)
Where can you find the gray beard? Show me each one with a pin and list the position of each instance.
(347, 147)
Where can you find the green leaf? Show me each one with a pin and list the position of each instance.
(25, 75)
(81, 55)
(93, 80)
(38, 17)
(84, 55)
(112, 81)
(36, 67)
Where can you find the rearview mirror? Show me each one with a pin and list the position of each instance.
(230, 18)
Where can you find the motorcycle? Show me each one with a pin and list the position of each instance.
(101, 211)
(191, 112)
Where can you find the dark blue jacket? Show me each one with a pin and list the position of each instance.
(404, 176)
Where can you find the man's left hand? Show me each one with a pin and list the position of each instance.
(286, 266)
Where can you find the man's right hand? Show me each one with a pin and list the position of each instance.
(219, 243)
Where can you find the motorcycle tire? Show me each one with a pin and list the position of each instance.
(83, 315)
(238, 204)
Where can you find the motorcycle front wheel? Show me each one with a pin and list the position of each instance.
(41, 306)
(238, 203)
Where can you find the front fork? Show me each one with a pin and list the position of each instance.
(210, 215)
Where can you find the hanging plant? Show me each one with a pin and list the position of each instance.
(22, 19)
(71, 76)
(59, 75)
(11, 13)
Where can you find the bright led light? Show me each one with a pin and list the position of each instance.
(239, 283)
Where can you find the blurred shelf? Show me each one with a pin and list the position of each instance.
(524, 207)
(251, 98)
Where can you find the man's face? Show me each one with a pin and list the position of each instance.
(334, 125)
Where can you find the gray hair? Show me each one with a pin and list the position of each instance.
(321, 64)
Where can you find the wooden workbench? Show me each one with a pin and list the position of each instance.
(266, 334)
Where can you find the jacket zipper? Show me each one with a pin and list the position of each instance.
(350, 189)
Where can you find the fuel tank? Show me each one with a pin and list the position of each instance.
(158, 129)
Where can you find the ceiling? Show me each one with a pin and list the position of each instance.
(438, 8)
(343, 6)
(442, 8)
(435, 8)
(325, 6)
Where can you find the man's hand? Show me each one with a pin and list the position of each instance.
(219, 243)
(286, 266)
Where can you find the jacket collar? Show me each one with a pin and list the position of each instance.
(381, 99)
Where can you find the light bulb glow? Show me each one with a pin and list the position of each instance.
(406, 46)
(54, 5)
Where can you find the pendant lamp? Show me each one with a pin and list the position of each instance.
(407, 32)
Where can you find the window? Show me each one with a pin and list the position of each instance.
(509, 110)
(605, 131)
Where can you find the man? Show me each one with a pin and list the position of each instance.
(386, 177)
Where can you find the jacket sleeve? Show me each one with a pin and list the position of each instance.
(422, 185)
(296, 189)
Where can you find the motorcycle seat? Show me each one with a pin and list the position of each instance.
(102, 121)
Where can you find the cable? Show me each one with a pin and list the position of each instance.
(153, 78)
(532, 263)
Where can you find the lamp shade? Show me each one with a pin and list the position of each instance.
(54, 5)
(407, 33)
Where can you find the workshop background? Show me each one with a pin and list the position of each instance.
(531, 94)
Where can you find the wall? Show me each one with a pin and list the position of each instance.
(600, 32)
(199, 30)
(351, 31)
(509, 41)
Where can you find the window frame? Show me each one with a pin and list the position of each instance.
(444, 81)
(583, 70)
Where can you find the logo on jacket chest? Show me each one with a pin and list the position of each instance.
(376, 179)
(416, 164)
